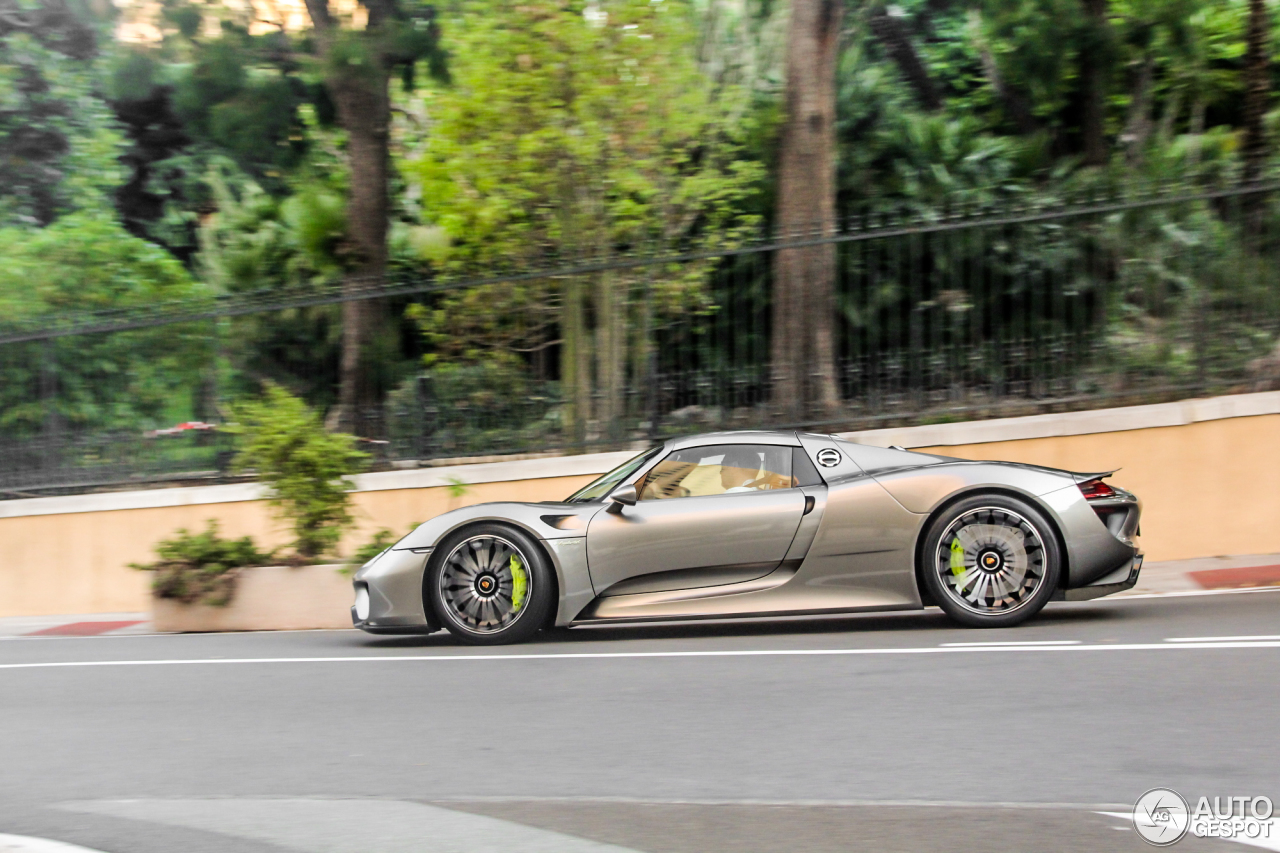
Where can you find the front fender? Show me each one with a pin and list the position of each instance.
(544, 521)
(560, 527)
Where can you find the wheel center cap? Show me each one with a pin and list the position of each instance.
(991, 561)
(486, 584)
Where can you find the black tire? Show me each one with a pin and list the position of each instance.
(991, 561)
(471, 585)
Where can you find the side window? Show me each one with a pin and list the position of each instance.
(718, 470)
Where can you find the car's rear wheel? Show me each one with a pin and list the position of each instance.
(490, 584)
(991, 561)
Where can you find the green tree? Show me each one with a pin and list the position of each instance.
(194, 104)
(1257, 89)
(578, 131)
(256, 241)
(357, 66)
(57, 144)
(122, 381)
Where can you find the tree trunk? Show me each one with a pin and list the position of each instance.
(1196, 129)
(1137, 129)
(575, 365)
(365, 113)
(1014, 104)
(1169, 118)
(611, 336)
(363, 102)
(891, 32)
(1095, 57)
(1257, 90)
(803, 351)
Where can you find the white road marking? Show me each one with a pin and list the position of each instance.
(349, 825)
(25, 844)
(1222, 639)
(718, 653)
(1027, 643)
(755, 801)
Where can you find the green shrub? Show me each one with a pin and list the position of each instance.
(304, 467)
(201, 567)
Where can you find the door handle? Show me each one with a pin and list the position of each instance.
(809, 501)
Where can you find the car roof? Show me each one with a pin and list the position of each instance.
(742, 436)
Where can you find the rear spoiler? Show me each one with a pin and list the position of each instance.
(1084, 478)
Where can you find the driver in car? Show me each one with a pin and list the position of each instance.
(740, 470)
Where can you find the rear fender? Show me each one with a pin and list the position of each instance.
(1089, 549)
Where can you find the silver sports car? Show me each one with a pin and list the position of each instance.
(749, 524)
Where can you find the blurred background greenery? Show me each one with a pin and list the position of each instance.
(183, 151)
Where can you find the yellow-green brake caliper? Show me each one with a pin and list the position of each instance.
(957, 557)
(519, 584)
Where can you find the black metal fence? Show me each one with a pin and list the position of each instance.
(957, 313)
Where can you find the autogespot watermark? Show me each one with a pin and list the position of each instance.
(1162, 817)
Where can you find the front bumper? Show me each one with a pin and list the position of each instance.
(398, 630)
(392, 595)
(1125, 577)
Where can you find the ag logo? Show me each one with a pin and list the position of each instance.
(828, 457)
(1161, 817)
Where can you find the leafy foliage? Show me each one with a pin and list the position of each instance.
(201, 568)
(599, 128)
(57, 145)
(235, 104)
(304, 467)
(128, 380)
(466, 408)
(577, 131)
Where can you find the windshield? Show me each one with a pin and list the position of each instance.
(597, 489)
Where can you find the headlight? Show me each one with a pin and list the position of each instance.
(362, 603)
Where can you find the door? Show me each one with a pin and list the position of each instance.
(706, 516)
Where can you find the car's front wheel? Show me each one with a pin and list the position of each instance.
(490, 584)
(991, 561)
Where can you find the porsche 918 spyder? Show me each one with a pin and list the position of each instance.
(756, 524)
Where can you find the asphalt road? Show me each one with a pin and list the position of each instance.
(858, 733)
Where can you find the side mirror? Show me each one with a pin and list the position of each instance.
(625, 495)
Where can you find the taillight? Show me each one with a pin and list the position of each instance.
(1096, 490)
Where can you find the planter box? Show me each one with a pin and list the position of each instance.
(270, 598)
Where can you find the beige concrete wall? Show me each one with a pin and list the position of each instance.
(268, 598)
(1208, 489)
(79, 562)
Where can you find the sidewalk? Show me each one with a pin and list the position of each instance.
(76, 625)
(1177, 576)
(1208, 573)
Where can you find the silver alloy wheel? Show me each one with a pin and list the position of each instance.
(991, 560)
(485, 584)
